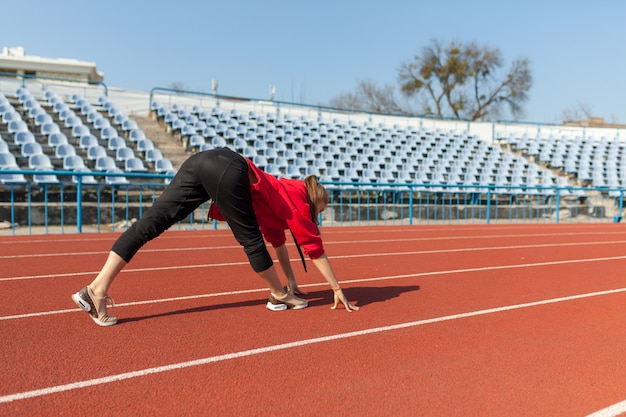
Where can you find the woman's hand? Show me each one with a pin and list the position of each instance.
(340, 297)
(293, 288)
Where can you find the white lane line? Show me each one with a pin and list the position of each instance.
(343, 242)
(267, 349)
(362, 255)
(349, 281)
(612, 411)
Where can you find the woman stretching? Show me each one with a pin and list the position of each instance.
(252, 202)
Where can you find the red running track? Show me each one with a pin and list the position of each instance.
(455, 321)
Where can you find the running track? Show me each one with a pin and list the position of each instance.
(455, 321)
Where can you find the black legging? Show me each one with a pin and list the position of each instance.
(218, 174)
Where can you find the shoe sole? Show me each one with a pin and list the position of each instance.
(87, 308)
(276, 307)
(284, 306)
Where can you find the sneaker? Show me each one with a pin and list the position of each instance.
(275, 305)
(287, 301)
(85, 300)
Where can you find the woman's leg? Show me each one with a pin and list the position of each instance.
(183, 195)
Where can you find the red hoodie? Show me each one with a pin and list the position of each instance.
(281, 204)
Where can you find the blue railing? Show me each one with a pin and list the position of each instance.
(74, 205)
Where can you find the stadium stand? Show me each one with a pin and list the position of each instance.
(53, 132)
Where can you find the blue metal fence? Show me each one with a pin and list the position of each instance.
(78, 205)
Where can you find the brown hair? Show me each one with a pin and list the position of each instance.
(317, 193)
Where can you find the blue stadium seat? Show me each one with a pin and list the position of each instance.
(12, 178)
(43, 118)
(163, 165)
(123, 154)
(85, 179)
(45, 179)
(31, 148)
(116, 180)
(144, 145)
(105, 163)
(64, 150)
(116, 143)
(23, 137)
(17, 126)
(136, 134)
(153, 155)
(134, 165)
(101, 123)
(7, 160)
(73, 162)
(48, 128)
(40, 161)
(57, 139)
(80, 131)
(95, 152)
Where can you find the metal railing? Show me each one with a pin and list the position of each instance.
(73, 205)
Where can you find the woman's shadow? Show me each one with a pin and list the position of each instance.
(361, 296)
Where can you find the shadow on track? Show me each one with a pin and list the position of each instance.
(362, 296)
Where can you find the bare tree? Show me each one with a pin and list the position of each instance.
(368, 96)
(582, 111)
(465, 81)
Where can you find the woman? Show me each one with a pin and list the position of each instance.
(254, 203)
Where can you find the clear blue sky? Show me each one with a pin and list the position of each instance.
(312, 51)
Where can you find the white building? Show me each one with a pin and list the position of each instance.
(14, 61)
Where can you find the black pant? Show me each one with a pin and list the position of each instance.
(218, 174)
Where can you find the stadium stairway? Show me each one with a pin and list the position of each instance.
(172, 149)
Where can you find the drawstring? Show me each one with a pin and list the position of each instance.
(299, 250)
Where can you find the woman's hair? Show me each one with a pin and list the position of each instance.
(317, 194)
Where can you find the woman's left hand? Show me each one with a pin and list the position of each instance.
(340, 297)
(293, 288)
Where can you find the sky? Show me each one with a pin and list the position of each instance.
(312, 51)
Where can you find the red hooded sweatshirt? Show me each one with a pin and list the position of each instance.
(281, 204)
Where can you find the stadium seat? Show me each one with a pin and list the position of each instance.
(48, 128)
(40, 161)
(57, 139)
(23, 137)
(31, 148)
(95, 152)
(86, 179)
(153, 155)
(73, 162)
(116, 143)
(80, 131)
(17, 126)
(134, 165)
(124, 154)
(87, 141)
(116, 180)
(163, 165)
(64, 150)
(16, 178)
(7, 160)
(101, 123)
(45, 179)
(104, 163)
(136, 134)
(42, 118)
(144, 145)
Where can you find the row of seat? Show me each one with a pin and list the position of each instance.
(97, 136)
(358, 153)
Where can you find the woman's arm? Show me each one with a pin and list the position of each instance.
(283, 258)
(323, 265)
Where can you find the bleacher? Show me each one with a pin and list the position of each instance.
(351, 152)
(48, 133)
(55, 136)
